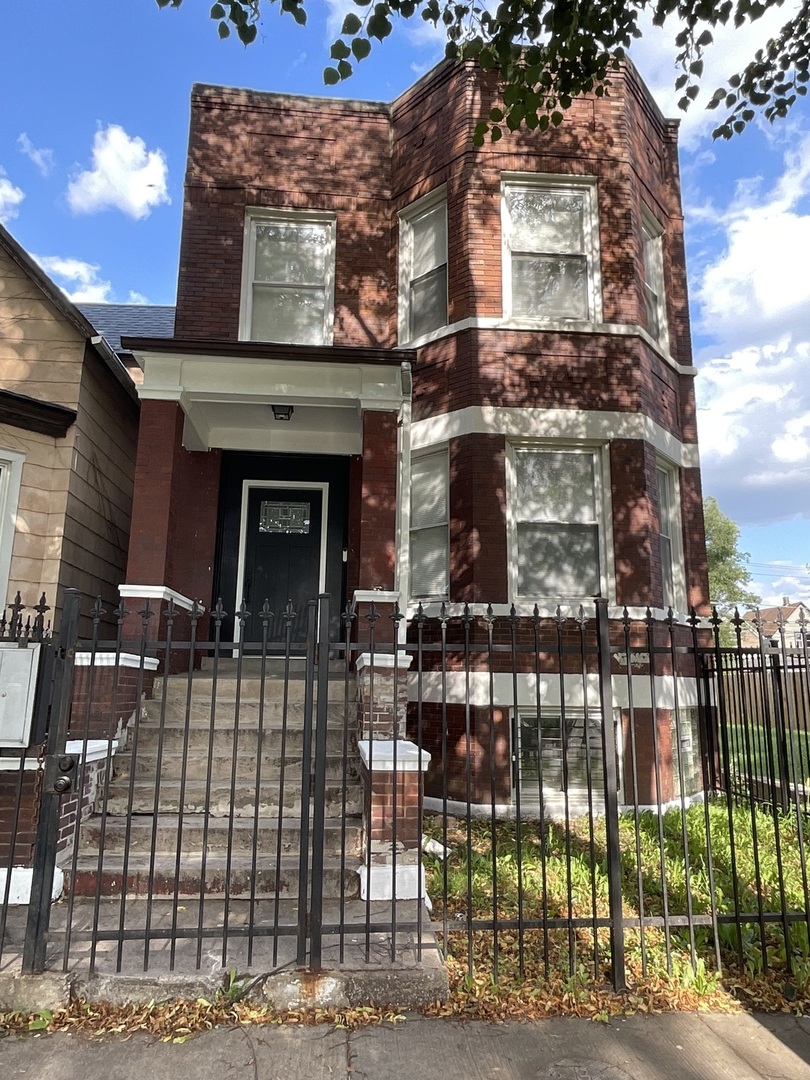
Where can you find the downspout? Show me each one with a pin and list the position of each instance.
(402, 583)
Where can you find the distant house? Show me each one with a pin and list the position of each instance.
(793, 619)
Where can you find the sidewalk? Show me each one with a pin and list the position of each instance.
(676, 1046)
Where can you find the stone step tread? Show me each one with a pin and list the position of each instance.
(148, 752)
(218, 834)
(139, 861)
(172, 784)
(143, 822)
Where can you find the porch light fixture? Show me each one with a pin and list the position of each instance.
(282, 412)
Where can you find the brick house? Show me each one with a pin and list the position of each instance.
(407, 368)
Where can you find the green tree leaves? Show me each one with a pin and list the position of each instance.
(547, 52)
(728, 571)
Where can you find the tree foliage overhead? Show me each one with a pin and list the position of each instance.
(729, 575)
(547, 52)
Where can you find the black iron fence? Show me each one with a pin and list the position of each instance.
(520, 794)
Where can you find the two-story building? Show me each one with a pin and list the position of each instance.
(403, 363)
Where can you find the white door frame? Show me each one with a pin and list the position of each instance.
(300, 485)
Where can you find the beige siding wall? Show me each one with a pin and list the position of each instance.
(40, 355)
(99, 504)
(40, 352)
(40, 514)
(71, 526)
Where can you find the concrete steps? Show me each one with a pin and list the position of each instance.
(195, 728)
(269, 880)
(198, 768)
(192, 832)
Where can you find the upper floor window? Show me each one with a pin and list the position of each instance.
(429, 554)
(557, 521)
(654, 299)
(423, 266)
(288, 277)
(551, 249)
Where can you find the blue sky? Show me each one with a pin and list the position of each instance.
(93, 126)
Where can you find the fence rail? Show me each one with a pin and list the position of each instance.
(525, 796)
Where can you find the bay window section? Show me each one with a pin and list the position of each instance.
(668, 534)
(429, 547)
(550, 251)
(288, 279)
(654, 299)
(556, 513)
(423, 267)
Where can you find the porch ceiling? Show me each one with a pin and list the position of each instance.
(227, 395)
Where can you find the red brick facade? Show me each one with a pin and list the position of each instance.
(481, 385)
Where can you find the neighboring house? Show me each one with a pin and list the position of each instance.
(68, 431)
(113, 320)
(791, 619)
(405, 365)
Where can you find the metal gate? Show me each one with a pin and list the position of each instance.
(163, 769)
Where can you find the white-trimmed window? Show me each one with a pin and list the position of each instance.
(429, 560)
(423, 266)
(288, 277)
(654, 298)
(669, 533)
(11, 465)
(557, 515)
(550, 248)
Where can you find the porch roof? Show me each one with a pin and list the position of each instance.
(226, 387)
(270, 350)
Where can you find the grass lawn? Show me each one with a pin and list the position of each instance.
(559, 873)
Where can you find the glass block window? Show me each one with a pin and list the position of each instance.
(556, 515)
(686, 739)
(559, 754)
(284, 517)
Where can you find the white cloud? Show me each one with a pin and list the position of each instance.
(654, 55)
(78, 280)
(137, 298)
(337, 10)
(792, 445)
(42, 157)
(124, 176)
(10, 198)
(774, 589)
(754, 384)
(759, 286)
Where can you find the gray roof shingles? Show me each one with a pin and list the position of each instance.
(114, 321)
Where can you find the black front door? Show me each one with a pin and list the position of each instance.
(282, 557)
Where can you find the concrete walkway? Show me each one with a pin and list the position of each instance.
(677, 1046)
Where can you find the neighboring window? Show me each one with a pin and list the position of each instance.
(669, 537)
(550, 250)
(288, 282)
(651, 233)
(429, 527)
(556, 515)
(11, 465)
(423, 267)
